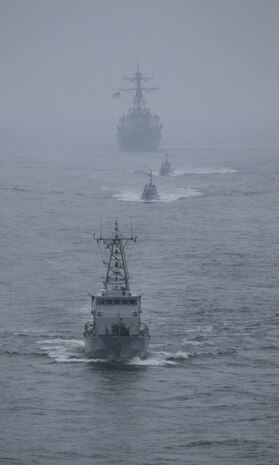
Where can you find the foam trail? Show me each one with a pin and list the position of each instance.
(189, 341)
(204, 171)
(177, 356)
(205, 329)
(197, 171)
(62, 350)
(150, 361)
(72, 351)
(131, 196)
(160, 359)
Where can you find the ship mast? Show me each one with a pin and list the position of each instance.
(117, 276)
(150, 178)
(138, 91)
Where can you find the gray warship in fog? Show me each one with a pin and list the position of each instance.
(150, 190)
(165, 169)
(139, 130)
(116, 332)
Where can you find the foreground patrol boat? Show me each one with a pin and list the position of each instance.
(165, 169)
(150, 190)
(116, 332)
(139, 130)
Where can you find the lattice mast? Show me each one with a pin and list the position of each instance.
(138, 91)
(117, 276)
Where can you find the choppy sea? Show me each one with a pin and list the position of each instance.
(206, 261)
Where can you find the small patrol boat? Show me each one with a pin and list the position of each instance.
(165, 169)
(150, 190)
(116, 332)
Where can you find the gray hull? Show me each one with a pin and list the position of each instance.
(116, 348)
(144, 142)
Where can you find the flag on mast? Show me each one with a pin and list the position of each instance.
(116, 95)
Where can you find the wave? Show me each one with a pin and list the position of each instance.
(205, 171)
(72, 351)
(33, 333)
(203, 329)
(146, 173)
(159, 359)
(16, 189)
(197, 171)
(177, 356)
(192, 341)
(63, 350)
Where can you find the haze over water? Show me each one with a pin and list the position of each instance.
(206, 259)
(215, 63)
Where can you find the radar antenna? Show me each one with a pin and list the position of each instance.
(138, 91)
(117, 276)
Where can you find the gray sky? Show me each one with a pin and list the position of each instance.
(215, 62)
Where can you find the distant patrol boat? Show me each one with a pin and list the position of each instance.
(165, 169)
(150, 190)
(116, 332)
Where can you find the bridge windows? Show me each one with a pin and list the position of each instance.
(103, 301)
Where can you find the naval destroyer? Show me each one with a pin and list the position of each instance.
(139, 130)
(116, 332)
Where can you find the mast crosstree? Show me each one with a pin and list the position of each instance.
(138, 91)
(117, 276)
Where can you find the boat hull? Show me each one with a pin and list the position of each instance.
(165, 171)
(139, 142)
(150, 193)
(116, 348)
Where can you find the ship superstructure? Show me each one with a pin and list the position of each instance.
(139, 130)
(116, 332)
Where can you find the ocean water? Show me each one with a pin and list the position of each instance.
(206, 261)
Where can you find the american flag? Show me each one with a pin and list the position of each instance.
(116, 95)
